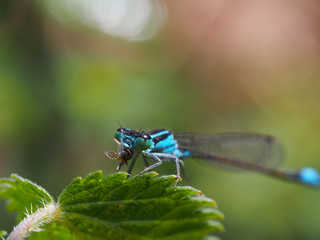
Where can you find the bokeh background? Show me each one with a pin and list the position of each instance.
(69, 70)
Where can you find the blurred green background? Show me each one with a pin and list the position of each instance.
(69, 70)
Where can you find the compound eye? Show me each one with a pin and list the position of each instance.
(120, 130)
(143, 142)
(146, 136)
(118, 134)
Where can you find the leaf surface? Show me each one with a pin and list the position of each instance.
(146, 207)
(114, 207)
(23, 195)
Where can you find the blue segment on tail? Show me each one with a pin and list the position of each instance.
(310, 176)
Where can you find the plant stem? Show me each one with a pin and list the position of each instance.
(34, 221)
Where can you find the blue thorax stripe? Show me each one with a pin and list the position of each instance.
(158, 132)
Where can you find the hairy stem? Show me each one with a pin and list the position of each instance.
(34, 221)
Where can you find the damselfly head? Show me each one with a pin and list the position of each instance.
(124, 138)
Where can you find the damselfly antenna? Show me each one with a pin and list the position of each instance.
(119, 123)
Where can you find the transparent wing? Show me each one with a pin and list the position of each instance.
(258, 149)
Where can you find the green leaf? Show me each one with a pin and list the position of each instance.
(23, 194)
(146, 207)
(52, 231)
(3, 233)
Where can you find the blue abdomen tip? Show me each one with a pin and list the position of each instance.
(309, 176)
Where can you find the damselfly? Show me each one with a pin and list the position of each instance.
(248, 151)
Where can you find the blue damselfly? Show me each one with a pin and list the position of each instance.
(248, 151)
